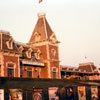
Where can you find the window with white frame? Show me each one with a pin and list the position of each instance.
(37, 54)
(29, 53)
(10, 68)
(21, 50)
(10, 44)
(53, 53)
(37, 36)
(54, 70)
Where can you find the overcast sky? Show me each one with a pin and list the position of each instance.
(76, 24)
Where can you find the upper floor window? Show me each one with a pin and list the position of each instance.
(21, 49)
(10, 44)
(37, 54)
(53, 53)
(10, 68)
(37, 36)
(53, 38)
(54, 70)
(29, 53)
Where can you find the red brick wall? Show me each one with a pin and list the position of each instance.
(50, 51)
(44, 72)
(12, 59)
(54, 62)
(24, 71)
(43, 51)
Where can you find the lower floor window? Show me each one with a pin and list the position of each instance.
(0, 70)
(10, 72)
(29, 72)
(54, 75)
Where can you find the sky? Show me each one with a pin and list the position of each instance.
(76, 24)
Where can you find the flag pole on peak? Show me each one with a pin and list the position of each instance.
(40, 1)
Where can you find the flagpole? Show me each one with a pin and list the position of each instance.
(40, 6)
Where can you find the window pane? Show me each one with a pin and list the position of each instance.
(10, 65)
(54, 75)
(0, 70)
(10, 72)
(29, 74)
(21, 71)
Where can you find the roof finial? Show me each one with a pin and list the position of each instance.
(40, 14)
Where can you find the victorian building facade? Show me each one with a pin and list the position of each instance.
(85, 71)
(39, 58)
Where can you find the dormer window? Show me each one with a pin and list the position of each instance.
(37, 36)
(37, 54)
(53, 38)
(21, 49)
(10, 44)
(29, 53)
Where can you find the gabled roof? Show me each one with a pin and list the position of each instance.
(42, 28)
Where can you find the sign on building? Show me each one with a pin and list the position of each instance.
(1, 94)
(81, 93)
(37, 94)
(94, 92)
(69, 93)
(53, 93)
(15, 94)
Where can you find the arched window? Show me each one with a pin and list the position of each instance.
(21, 49)
(10, 43)
(53, 53)
(37, 54)
(37, 36)
(29, 52)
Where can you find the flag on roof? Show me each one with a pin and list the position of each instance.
(40, 1)
(85, 57)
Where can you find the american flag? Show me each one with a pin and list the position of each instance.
(40, 1)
